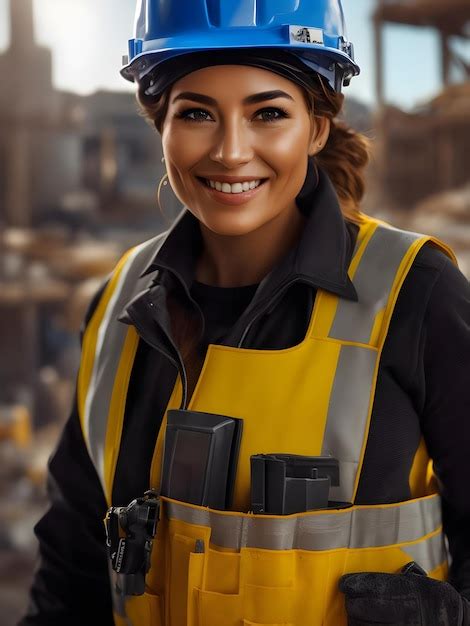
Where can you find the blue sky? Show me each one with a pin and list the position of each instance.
(88, 38)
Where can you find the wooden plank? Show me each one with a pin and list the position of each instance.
(450, 16)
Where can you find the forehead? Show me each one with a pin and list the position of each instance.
(235, 81)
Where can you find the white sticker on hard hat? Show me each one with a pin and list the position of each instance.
(303, 34)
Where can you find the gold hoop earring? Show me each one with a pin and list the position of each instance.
(161, 184)
(166, 175)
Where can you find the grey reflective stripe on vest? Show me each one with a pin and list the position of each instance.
(358, 527)
(110, 342)
(429, 553)
(373, 281)
(352, 390)
(347, 415)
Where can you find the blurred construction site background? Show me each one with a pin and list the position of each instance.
(78, 175)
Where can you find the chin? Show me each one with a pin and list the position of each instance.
(231, 226)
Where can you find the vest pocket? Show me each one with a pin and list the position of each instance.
(269, 605)
(183, 575)
(268, 568)
(257, 605)
(318, 599)
(219, 609)
(195, 573)
(272, 587)
(144, 610)
(223, 572)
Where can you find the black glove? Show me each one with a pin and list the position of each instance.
(402, 600)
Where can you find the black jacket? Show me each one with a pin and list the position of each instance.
(422, 388)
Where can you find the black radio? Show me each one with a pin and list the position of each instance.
(130, 531)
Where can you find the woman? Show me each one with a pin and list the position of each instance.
(274, 311)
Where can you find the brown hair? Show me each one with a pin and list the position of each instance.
(344, 157)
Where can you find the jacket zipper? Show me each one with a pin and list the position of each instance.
(178, 362)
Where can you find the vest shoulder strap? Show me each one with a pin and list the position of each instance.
(107, 346)
(381, 261)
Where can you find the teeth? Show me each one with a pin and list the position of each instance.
(235, 188)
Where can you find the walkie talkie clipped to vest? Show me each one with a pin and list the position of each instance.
(130, 531)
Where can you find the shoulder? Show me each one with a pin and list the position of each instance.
(434, 296)
(433, 287)
(432, 258)
(433, 265)
(433, 268)
(430, 323)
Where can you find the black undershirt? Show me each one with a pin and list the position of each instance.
(221, 307)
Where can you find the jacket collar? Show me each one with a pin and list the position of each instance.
(320, 258)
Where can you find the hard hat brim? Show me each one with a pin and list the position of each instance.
(317, 58)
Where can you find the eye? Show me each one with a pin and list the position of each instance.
(185, 115)
(199, 115)
(282, 113)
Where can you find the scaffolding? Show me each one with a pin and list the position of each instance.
(450, 18)
(425, 152)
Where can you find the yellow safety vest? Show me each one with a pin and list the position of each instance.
(234, 568)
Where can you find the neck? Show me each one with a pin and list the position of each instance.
(236, 261)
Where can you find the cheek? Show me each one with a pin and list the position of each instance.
(286, 149)
(181, 146)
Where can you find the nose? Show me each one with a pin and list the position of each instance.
(232, 144)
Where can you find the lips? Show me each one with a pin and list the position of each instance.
(206, 183)
(231, 179)
(231, 199)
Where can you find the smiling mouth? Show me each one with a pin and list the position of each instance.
(205, 182)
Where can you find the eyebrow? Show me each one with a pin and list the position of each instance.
(253, 99)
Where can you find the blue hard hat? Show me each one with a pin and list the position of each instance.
(313, 30)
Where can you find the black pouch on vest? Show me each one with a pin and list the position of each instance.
(282, 484)
(200, 458)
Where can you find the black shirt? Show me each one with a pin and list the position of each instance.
(221, 307)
